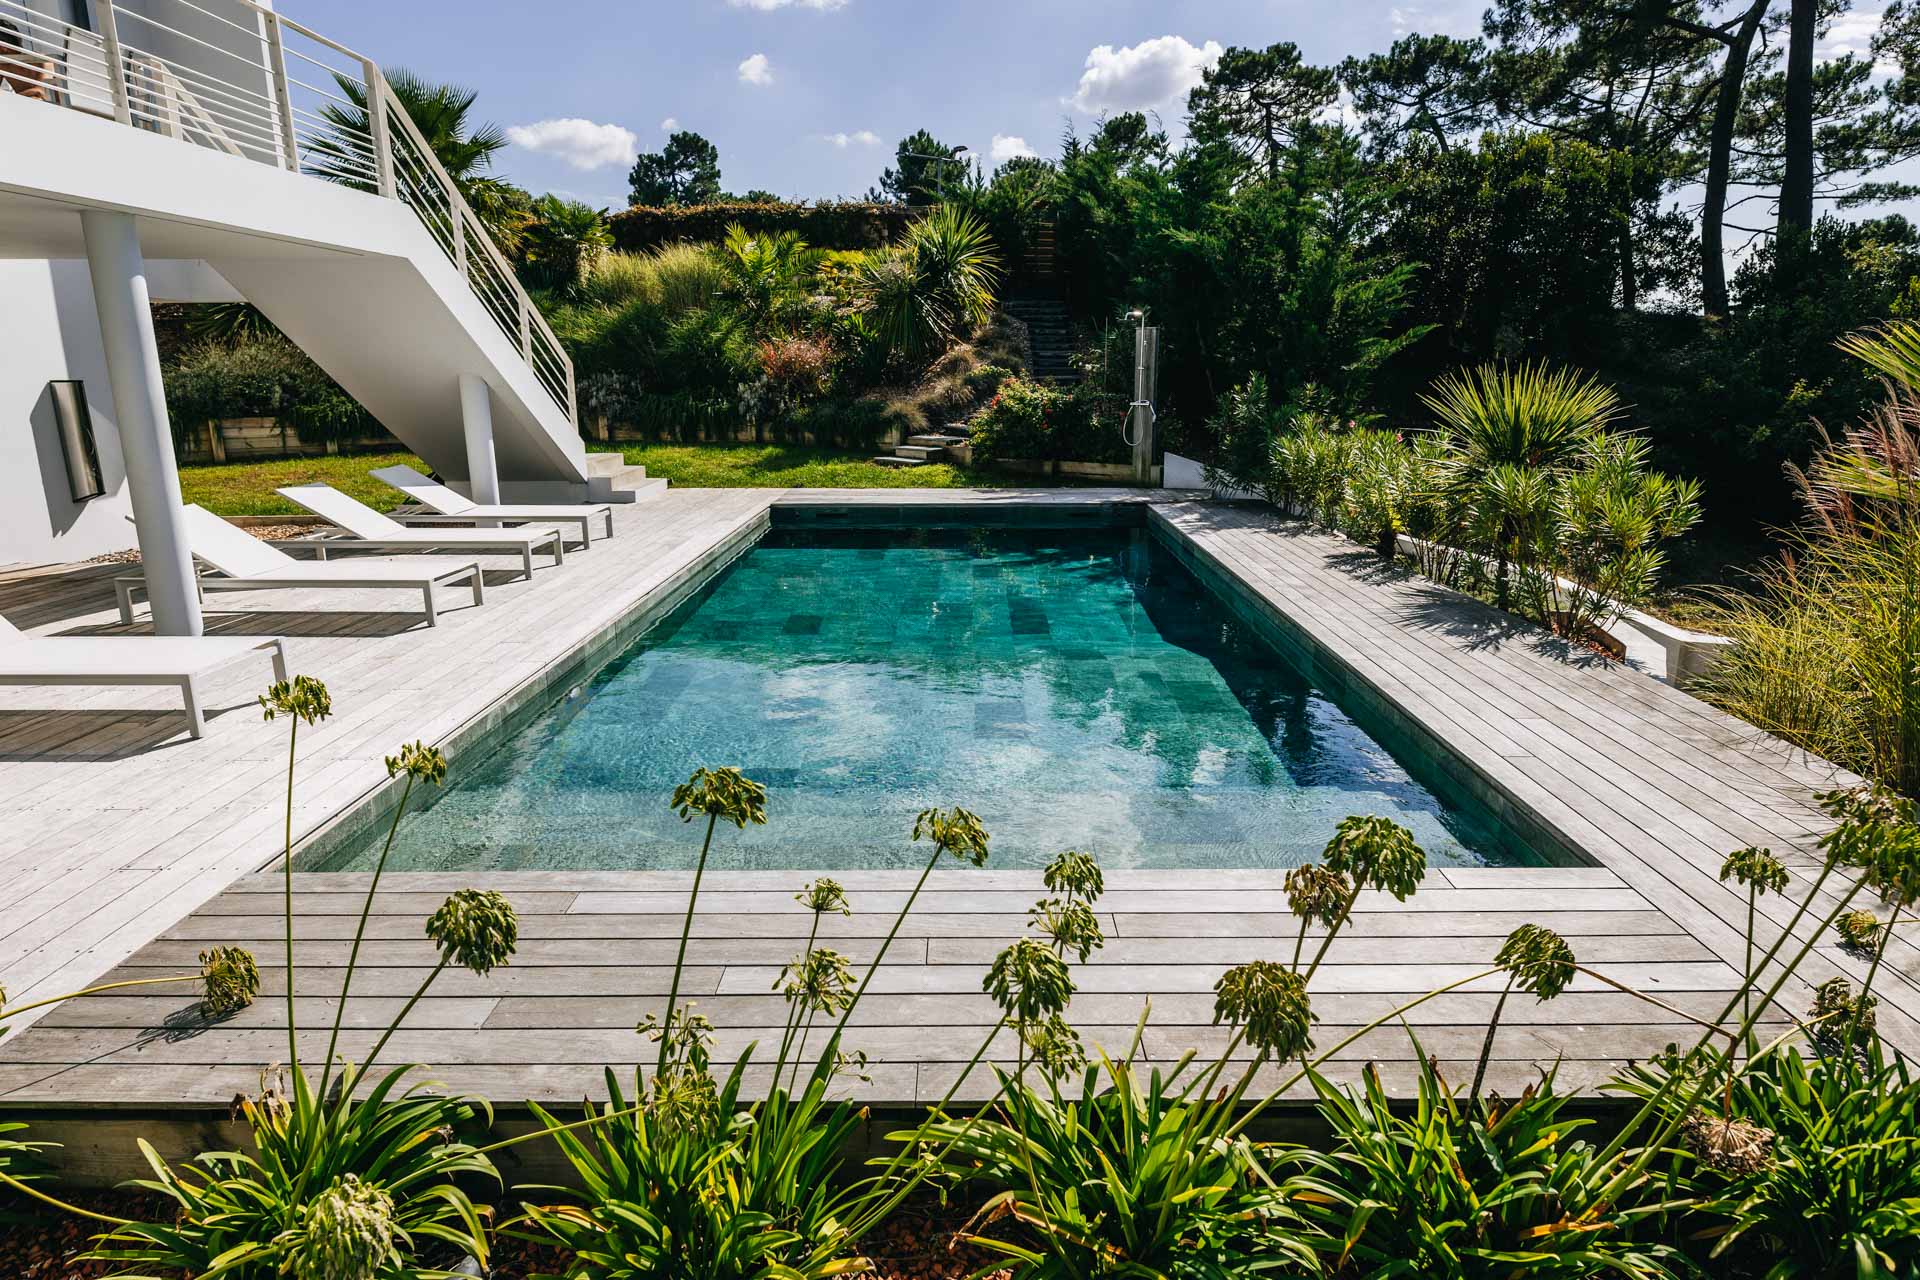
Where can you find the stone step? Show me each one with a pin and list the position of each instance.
(936, 441)
(892, 460)
(638, 490)
(920, 453)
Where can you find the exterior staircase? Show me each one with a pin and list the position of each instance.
(1049, 327)
(922, 450)
(610, 479)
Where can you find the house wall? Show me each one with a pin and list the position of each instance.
(49, 331)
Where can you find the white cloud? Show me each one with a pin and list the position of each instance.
(1007, 146)
(1853, 32)
(756, 70)
(768, 6)
(1458, 19)
(859, 137)
(581, 143)
(1153, 73)
(669, 124)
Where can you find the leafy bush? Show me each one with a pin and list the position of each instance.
(1454, 1188)
(1812, 1171)
(830, 224)
(261, 377)
(563, 242)
(1036, 422)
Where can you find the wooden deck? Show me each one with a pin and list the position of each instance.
(129, 850)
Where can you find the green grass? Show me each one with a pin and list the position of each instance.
(788, 466)
(247, 488)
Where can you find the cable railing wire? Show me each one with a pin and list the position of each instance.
(265, 114)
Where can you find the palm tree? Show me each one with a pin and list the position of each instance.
(465, 150)
(563, 241)
(766, 274)
(1508, 430)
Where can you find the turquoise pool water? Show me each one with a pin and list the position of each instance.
(1076, 689)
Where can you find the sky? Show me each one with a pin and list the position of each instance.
(809, 97)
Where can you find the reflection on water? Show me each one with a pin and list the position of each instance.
(1076, 689)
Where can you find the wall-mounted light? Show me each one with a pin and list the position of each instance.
(75, 425)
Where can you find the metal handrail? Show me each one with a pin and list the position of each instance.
(261, 121)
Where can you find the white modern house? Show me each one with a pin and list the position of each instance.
(213, 150)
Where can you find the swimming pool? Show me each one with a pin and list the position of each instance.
(1077, 689)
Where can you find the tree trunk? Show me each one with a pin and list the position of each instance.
(1796, 183)
(1713, 212)
(1629, 278)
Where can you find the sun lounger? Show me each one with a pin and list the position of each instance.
(366, 529)
(244, 563)
(448, 507)
(128, 660)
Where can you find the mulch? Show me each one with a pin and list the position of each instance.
(917, 1243)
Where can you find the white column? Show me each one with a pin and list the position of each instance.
(476, 417)
(140, 413)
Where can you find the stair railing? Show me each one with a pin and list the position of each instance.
(243, 79)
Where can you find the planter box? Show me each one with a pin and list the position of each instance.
(1120, 472)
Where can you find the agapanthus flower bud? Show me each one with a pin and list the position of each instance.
(1755, 868)
(1859, 931)
(1377, 853)
(1538, 960)
(1071, 925)
(419, 762)
(821, 981)
(1055, 1047)
(346, 1233)
(229, 980)
(303, 696)
(1028, 981)
(1270, 1001)
(475, 929)
(1075, 873)
(824, 895)
(954, 831)
(1318, 895)
(721, 793)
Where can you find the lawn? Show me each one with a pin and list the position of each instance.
(247, 488)
(792, 466)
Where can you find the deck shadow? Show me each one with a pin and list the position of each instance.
(122, 734)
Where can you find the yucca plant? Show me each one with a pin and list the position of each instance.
(935, 286)
(1508, 428)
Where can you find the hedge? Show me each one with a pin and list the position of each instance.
(848, 224)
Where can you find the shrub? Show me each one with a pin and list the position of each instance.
(563, 242)
(260, 378)
(1036, 422)
(850, 224)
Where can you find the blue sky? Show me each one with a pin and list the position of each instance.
(808, 97)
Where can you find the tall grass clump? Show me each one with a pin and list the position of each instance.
(1826, 652)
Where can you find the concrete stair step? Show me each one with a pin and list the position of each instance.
(641, 489)
(936, 441)
(606, 464)
(920, 452)
(894, 460)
